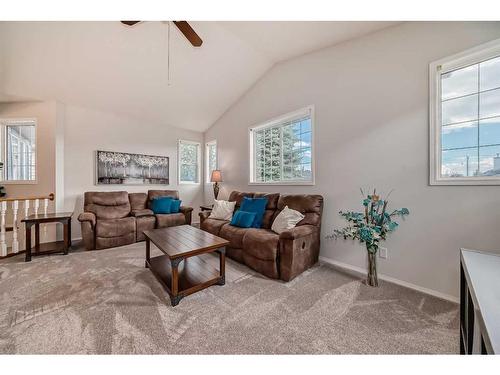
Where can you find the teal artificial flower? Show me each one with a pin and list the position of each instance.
(372, 225)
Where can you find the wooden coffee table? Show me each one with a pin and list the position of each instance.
(180, 271)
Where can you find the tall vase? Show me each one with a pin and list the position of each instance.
(372, 279)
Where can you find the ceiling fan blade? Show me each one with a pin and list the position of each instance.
(189, 33)
(130, 23)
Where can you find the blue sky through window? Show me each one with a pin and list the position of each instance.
(470, 119)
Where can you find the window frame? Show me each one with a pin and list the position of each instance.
(198, 161)
(463, 59)
(207, 159)
(13, 121)
(308, 110)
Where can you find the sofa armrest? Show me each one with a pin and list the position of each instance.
(187, 211)
(204, 215)
(143, 212)
(88, 221)
(299, 250)
(297, 232)
(87, 216)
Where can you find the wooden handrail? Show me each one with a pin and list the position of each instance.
(50, 197)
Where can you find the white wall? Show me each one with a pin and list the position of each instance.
(45, 114)
(86, 131)
(371, 101)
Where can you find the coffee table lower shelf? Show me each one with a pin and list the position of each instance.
(193, 275)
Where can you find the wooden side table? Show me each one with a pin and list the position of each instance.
(48, 247)
(207, 207)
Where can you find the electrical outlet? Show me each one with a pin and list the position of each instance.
(382, 252)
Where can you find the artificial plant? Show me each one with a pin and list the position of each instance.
(370, 227)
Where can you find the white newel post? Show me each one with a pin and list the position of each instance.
(15, 240)
(3, 244)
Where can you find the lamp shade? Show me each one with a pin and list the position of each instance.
(216, 176)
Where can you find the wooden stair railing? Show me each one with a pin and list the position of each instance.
(14, 228)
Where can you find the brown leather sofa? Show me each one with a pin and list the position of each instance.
(118, 218)
(278, 256)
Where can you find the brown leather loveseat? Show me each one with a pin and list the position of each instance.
(278, 256)
(117, 218)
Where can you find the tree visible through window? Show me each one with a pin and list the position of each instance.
(189, 162)
(282, 150)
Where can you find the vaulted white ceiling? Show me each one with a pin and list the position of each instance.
(110, 67)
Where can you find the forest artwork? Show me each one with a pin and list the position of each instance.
(131, 169)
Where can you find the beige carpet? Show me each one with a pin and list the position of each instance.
(106, 302)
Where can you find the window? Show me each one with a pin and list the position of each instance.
(18, 151)
(281, 150)
(465, 118)
(189, 162)
(211, 158)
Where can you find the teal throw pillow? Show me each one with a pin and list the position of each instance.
(256, 205)
(175, 206)
(243, 219)
(161, 205)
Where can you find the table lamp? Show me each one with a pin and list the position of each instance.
(216, 177)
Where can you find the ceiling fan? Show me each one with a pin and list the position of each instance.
(184, 28)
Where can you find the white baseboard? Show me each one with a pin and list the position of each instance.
(362, 271)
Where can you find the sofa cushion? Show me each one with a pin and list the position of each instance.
(144, 223)
(237, 196)
(104, 242)
(234, 253)
(115, 227)
(311, 206)
(213, 225)
(107, 204)
(170, 220)
(144, 212)
(267, 268)
(138, 201)
(233, 234)
(261, 243)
